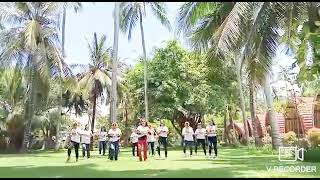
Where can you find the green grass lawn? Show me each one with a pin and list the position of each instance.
(231, 163)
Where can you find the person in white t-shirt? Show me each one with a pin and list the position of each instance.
(142, 132)
(103, 134)
(162, 133)
(74, 136)
(134, 142)
(151, 140)
(200, 134)
(114, 138)
(212, 138)
(187, 133)
(85, 141)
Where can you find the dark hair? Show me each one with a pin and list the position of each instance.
(213, 123)
(103, 129)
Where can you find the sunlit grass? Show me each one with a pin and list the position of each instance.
(231, 163)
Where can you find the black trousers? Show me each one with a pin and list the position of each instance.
(151, 145)
(202, 142)
(189, 144)
(76, 149)
(213, 142)
(86, 148)
(134, 146)
(163, 141)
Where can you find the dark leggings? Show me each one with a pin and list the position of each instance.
(76, 149)
(86, 147)
(151, 145)
(134, 146)
(163, 141)
(102, 146)
(187, 143)
(213, 142)
(202, 142)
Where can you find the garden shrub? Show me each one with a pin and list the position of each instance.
(267, 139)
(290, 138)
(303, 143)
(314, 137)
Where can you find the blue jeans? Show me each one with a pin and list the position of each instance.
(212, 141)
(102, 146)
(85, 148)
(189, 144)
(114, 150)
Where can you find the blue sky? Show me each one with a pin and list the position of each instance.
(98, 18)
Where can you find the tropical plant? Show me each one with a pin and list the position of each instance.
(31, 40)
(95, 77)
(130, 13)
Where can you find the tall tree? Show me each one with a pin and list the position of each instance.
(77, 6)
(96, 76)
(199, 21)
(131, 12)
(113, 106)
(31, 40)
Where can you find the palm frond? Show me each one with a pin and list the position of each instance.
(159, 10)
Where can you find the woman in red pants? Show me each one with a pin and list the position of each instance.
(142, 132)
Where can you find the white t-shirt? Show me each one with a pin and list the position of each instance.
(85, 136)
(211, 130)
(200, 133)
(114, 134)
(143, 131)
(187, 133)
(150, 137)
(75, 135)
(134, 137)
(162, 131)
(103, 136)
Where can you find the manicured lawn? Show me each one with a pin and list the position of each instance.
(231, 163)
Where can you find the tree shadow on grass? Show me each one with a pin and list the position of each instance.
(91, 170)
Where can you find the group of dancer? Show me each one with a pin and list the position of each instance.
(77, 136)
(144, 138)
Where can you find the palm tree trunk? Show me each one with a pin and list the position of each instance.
(93, 115)
(254, 120)
(243, 111)
(276, 140)
(145, 68)
(63, 31)
(113, 112)
(29, 111)
(225, 139)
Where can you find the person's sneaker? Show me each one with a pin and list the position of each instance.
(68, 159)
(184, 155)
(76, 160)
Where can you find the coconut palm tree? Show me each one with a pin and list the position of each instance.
(199, 21)
(77, 6)
(96, 76)
(130, 14)
(32, 41)
(242, 28)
